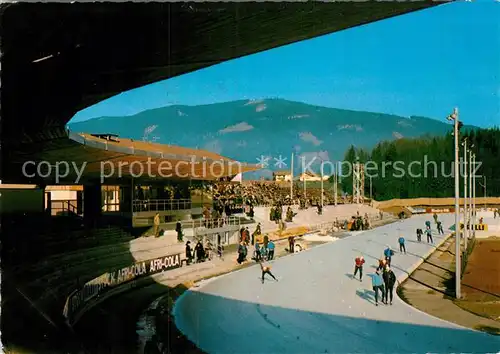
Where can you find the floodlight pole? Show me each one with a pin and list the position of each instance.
(474, 215)
(484, 186)
(485, 192)
(471, 197)
(466, 208)
(458, 264)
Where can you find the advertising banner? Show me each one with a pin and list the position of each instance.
(79, 298)
(417, 210)
(478, 227)
(440, 210)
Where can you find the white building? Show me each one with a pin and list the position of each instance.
(312, 177)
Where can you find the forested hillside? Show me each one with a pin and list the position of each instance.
(423, 167)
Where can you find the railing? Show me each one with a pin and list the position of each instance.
(160, 205)
(196, 223)
(217, 222)
(63, 206)
(287, 202)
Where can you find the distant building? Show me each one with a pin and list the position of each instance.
(282, 176)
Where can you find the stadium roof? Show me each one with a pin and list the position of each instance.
(60, 58)
(114, 160)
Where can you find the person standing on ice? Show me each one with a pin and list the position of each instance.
(358, 267)
(378, 284)
(388, 253)
(389, 281)
(270, 246)
(429, 236)
(419, 235)
(440, 228)
(402, 247)
(266, 270)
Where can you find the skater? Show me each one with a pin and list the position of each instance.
(419, 235)
(266, 270)
(429, 236)
(358, 266)
(388, 253)
(270, 247)
(389, 281)
(378, 284)
(435, 216)
(440, 228)
(402, 247)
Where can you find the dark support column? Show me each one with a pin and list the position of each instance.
(92, 207)
(126, 199)
(45, 195)
(79, 202)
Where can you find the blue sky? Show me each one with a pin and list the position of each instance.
(423, 63)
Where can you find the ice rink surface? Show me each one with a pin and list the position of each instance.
(316, 306)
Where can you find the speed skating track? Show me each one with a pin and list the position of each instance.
(316, 307)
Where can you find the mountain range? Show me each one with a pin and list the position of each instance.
(245, 130)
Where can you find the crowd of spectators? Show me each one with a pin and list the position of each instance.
(267, 193)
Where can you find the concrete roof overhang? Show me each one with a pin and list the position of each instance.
(60, 58)
(116, 162)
